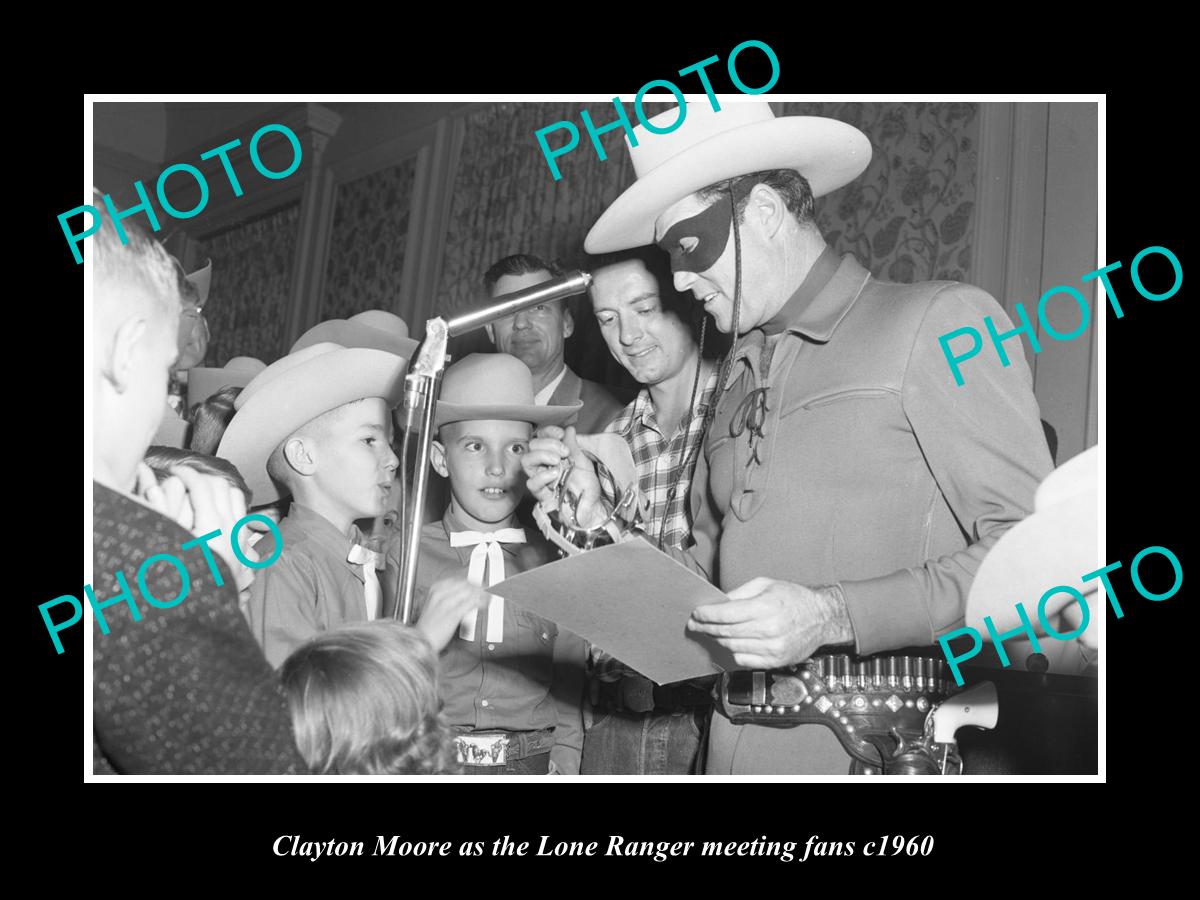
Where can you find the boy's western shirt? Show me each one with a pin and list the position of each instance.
(311, 588)
(532, 679)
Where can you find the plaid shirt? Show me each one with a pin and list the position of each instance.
(664, 468)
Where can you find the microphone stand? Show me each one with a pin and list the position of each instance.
(423, 386)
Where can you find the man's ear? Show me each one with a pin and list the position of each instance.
(769, 209)
(437, 458)
(568, 321)
(491, 334)
(118, 368)
(298, 455)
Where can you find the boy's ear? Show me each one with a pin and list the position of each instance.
(298, 456)
(491, 334)
(118, 368)
(437, 458)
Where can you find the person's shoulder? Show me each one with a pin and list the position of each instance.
(123, 528)
(605, 393)
(930, 301)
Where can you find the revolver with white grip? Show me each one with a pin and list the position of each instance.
(978, 707)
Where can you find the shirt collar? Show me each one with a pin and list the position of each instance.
(542, 397)
(823, 298)
(325, 533)
(451, 524)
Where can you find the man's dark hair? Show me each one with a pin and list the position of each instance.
(517, 264)
(658, 264)
(794, 188)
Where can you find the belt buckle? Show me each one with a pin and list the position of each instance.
(481, 749)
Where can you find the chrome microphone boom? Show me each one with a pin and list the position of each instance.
(423, 384)
(508, 304)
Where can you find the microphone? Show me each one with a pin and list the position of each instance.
(507, 304)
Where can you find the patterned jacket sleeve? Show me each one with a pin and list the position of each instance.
(186, 690)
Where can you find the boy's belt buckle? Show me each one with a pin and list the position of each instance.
(481, 749)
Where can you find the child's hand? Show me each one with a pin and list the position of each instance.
(450, 599)
(216, 504)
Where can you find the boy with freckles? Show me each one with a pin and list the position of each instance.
(511, 682)
(317, 425)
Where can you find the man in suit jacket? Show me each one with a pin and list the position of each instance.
(538, 337)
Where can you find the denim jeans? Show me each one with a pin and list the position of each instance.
(622, 742)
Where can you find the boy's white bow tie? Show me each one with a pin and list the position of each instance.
(487, 553)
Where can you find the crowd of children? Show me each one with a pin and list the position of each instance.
(475, 686)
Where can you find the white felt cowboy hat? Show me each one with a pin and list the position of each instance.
(711, 146)
(376, 329)
(295, 390)
(494, 386)
(1056, 545)
(201, 280)
(203, 382)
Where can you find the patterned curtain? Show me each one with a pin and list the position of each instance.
(908, 217)
(370, 234)
(252, 273)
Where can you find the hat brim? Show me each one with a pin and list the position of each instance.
(828, 153)
(448, 413)
(286, 403)
(202, 383)
(354, 334)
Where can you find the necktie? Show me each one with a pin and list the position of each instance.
(370, 561)
(487, 553)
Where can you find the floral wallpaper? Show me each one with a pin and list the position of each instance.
(908, 217)
(251, 286)
(370, 233)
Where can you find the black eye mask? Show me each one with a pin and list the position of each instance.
(711, 228)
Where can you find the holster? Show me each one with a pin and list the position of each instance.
(875, 705)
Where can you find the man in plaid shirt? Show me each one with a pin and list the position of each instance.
(640, 728)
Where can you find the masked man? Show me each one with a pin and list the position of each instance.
(848, 488)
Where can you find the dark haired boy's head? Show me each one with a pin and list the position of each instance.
(210, 418)
(162, 459)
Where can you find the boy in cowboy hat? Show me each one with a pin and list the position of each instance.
(512, 684)
(317, 425)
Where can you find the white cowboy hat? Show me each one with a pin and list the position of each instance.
(203, 382)
(711, 146)
(1054, 546)
(295, 390)
(494, 386)
(376, 329)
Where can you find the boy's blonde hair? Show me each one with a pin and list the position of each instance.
(364, 701)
